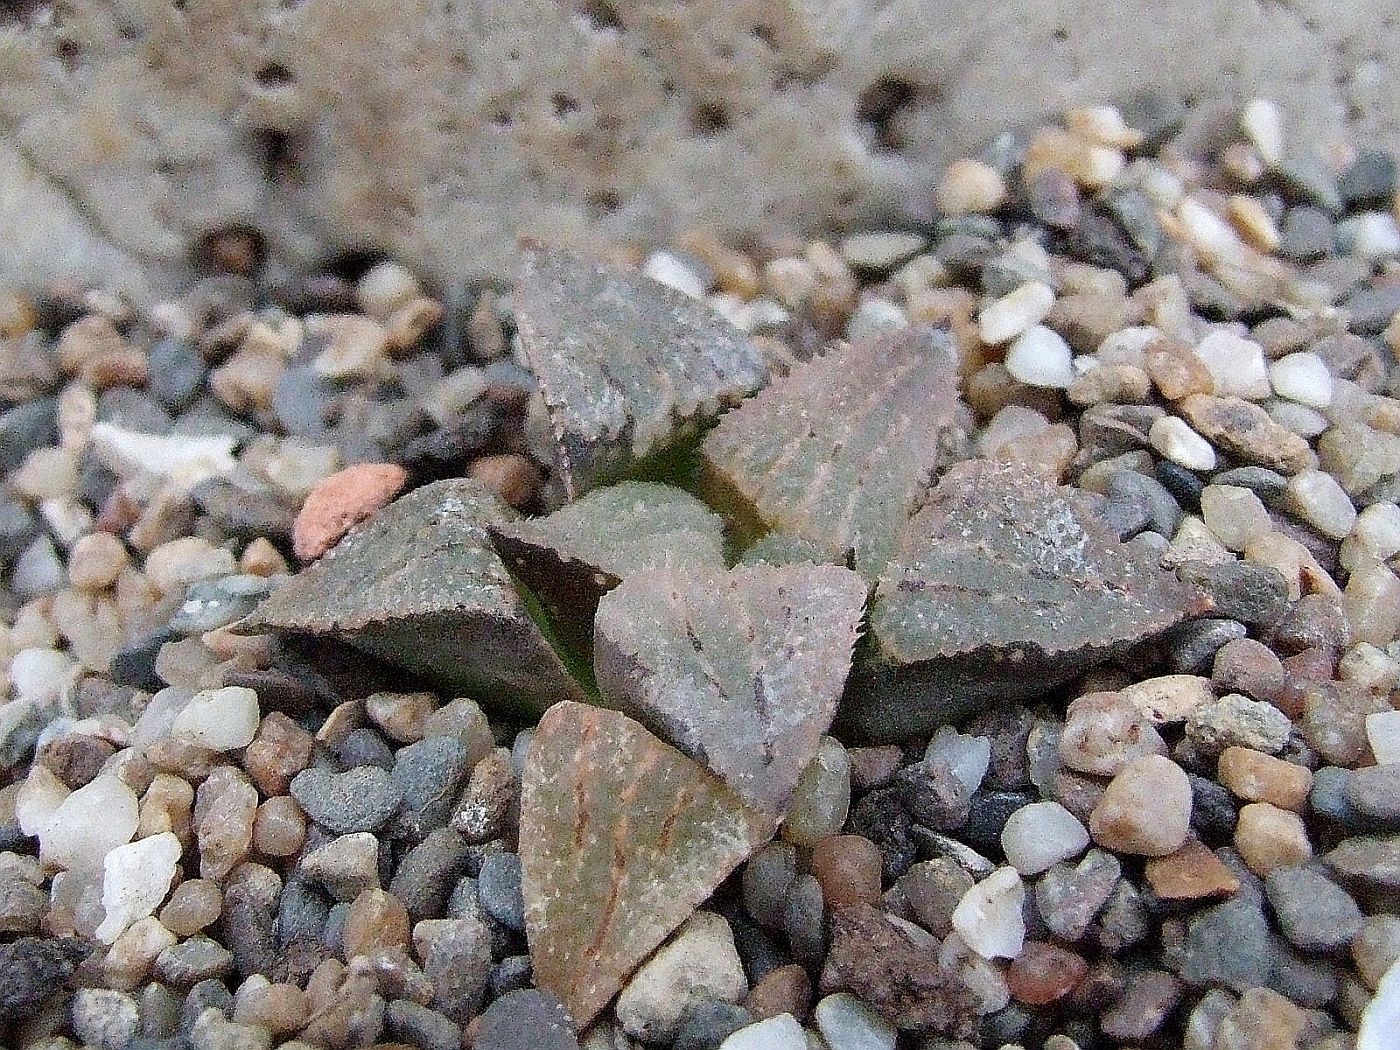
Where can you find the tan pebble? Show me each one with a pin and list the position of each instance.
(1113, 384)
(1168, 698)
(1253, 223)
(96, 561)
(386, 287)
(1235, 515)
(261, 558)
(177, 563)
(790, 280)
(343, 720)
(376, 920)
(970, 186)
(1048, 454)
(1248, 666)
(1104, 732)
(785, 990)
(1104, 125)
(279, 1008)
(485, 804)
(512, 476)
(401, 715)
(128, 962)
(93, 350)
(1176, 371)
(340, 501)
(280, 750)
(848, 868)
(1191, 873)
(279, 827)
(46, 473)
(1244, 430)
(224, 808)
(1269, 838)
(245, 383)
(1145, 810)
(1092, 165)
(167, 805)
(195, 904)
(357, 346)
(735, 273)
(408, 324)
(1372, 603)
(464, 719)
(17, 314)
(1257, 777)
(1299, 565)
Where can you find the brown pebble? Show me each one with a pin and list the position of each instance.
(513, 477)
(75, 759)
(848, 868)
(484, 806)
(1176, 371)
(280, 1008)
(236, 251)
(195, 904)
(786, 990)
(1248, 666)
(1145, 810)
(261, 558)
(401, 715)
(279, 827)
(1245, 432)
(1044, 973)
(1269, 838)
(167, 805)
(873, 766)
(280, 750)
(1257, 777)
(376, 920)
(340, 501)
(92, 349)
(224, 807)
(1191, 873)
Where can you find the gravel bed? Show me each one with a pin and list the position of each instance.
(220, 840)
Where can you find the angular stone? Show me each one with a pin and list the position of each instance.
(839, 452)
(621, 837)
(1191, 873)
(741, 670)
(420, 585)
(1006, 586)
(626, 364)
(571, 558)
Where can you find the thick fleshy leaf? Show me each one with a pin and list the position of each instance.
(742, 670)
(621, 838)
(842, 450)
(420, 585)
(628, 367)
(573, 557)
(1006, 586)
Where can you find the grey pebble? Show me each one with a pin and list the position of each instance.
(1269, 485)
(416, 1025)
(1371, 308)
(24, 428)
(360, 799)
(95, 482)
(510, 974)
(1069, 896)
(1374, 791)
(707, 1023)
(1370, 180)
(131, 409)
(1054, 198)
(207, 418)
(1161, 510)
(1372, 860)
(1191, 647)
(1305, 235)
(177, 373)
(1124, 920)
(302, 401)
(1229, 945)
(160, 1011)
(988, 812)
(1137, 217)
(458, 962)
(1306, 180)
(18, 527)
(245, 513)
(366, 747)
(333, 935)
(1313, 912)
(210, 604)
(881, 816)
(803, 915)
(431, 775)
(527, 1018)
(1310, 981)
(1004, 273)
(104, 1019)
(206, 995)
(933, 795)
(1184, 486)
(194, 959)
(428, 873)
(1241, 590)
(134, 664)
(1328, 799)
(498, 886)
(766, 879)
(34, 967)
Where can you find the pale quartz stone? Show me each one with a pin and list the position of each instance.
(1300, 419)
(89, 823)
(1383, 733)
(385, 287)
(1236, 364)
(1302, 377)
(1317, 498)
(356, 348)
(848, 1023)
(967, 756)
(39, 797)
(698, 964)
(774, 1033)
(881, 251)
(970, 186)
(1040, 357)
(1378, 529)
(1372, 235)
(1372, 603)
(1092, 165)
(1370, 667)
(185, 459)
(219, 719)
(181, 562)
(1104, 125)
(1236, 516)
(40, 675)
(135, 879)
(1194, 542)
(674, 272)
(1262, 122)
(1381, 1018)
(1038, 836)
(989, 916)
(1004, 319)
(1295, 561)
(1173, 437)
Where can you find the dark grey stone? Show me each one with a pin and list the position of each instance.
(881, 816)
(1310, 981)
(1184, 486)
(416, 1025)
(427, 874)
(35, 968)
(95, 482)
(707, 1023)
(1137, 217)
(360, 799)
(933, 795)
(1328, 798)
(987, 816)
(1269, 485)
(1241, 590)
(498, 886)
(458, 963)
(18, 527)
(1374, 791)
(1124, 920)
(431, 774)
(1371, 308)
(204, 995)
(134, 664)
(527, 1018)
(1370, 181)
(1160, 507)
(132, 409)
(245, 513)
(510, 974)
(1229, 945)
(366, 747)
(177, 373)
(1304, 179)
(24, 428)
(1213, 812)
(803, 916)
(302, 401)
(1313, 912)
(1192, 646)
(1053, 198)
(1305, 235)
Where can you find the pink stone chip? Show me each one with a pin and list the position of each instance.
(340, 501)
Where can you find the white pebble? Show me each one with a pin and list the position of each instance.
(699, 964)
(1236, 364)
(40, 795)
(1004, 319)
(219, 719)
(90, 822)
(40, 675)
(385, 287)
(847, 1023)
(674, 272)
(1318, 498)
(1372, 235)
(1378, 529)
(1039, 357)
(185, 459)
(990, 917)
(135, 879)
(37, 570)
(967, 756)
(874, 316)
(356, 346)
(1173, 438)
(1300, 419)
(881, 251)
(1262, 122)
(775, 1033)
(1038, 836)
(1304, 378)
(178, 563)
(1383, 733)
(1381, 1018)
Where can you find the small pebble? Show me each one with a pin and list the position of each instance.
(219, 719)
(1014, 313)
(1145, 810)
(1235, 720)
(1313, 912)
(1041, 835)
(1269, 838)
(340, 501)
(1318, 499)
(847, 1023)
(1236, 364)
(1256, 777)
(1039, 357)
(698, 963)
(1173, 438)
(989, 917)
(775, 1033)
(970, 186)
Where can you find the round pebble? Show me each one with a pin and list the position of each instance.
(1173, 438)
(1041, 835)
(1269, 838)
(1040, 357)
(1014, 313)
(1145, 810)
(219, 719)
